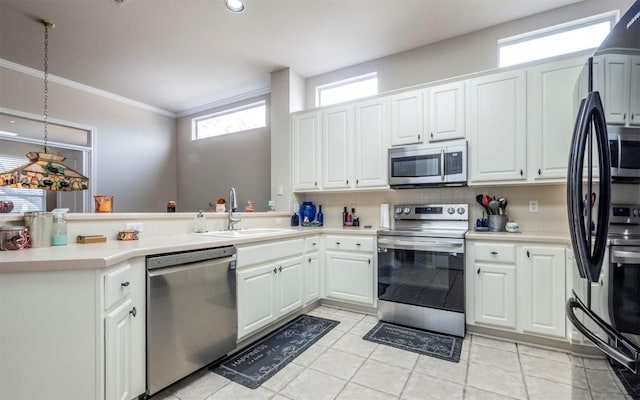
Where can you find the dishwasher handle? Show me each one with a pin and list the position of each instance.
(230, 261)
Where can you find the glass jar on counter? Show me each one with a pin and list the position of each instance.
(14, 237)
(171, 206)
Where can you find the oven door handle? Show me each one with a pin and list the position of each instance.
(443, 247)
(625, 257)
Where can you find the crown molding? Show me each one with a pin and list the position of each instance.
(224, 102)
(85, 88)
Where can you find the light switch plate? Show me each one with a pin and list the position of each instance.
(533, 205)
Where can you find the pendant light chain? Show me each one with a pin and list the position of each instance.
(46, 83)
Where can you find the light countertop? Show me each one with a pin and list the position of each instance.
(76, 256)
(529, 237)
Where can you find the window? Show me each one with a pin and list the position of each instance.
(583, 34)
(348, 89)
(23, 199)
(250, 116)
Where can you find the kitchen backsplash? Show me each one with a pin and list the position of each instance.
(550, 217)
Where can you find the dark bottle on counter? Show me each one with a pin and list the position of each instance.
(295, 219)
(320, 216)
(171, 206)
(344, 216)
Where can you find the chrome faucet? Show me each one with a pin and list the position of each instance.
(233, 204)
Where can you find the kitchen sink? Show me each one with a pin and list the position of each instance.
(245, 232)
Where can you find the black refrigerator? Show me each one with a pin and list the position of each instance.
(590, 185)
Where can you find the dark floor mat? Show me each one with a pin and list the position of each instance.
(630, 380)
(432, 344)
(261, 360)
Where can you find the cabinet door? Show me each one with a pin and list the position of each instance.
(371, 132)
(407, 118)
(541, 276)
(350, 277)
(446, 112)
(118, 353)
(551, 114)
(497, 142)
(617, 75)
(495, 294)
(634, 99)
(313, 277)
(256, 303)
(337, 144)
(290, 285)
(306, 151)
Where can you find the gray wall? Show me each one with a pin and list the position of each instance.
(134, 149)
(209, 168)
(471, 53)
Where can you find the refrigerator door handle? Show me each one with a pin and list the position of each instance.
(589, 259)
(620, 349)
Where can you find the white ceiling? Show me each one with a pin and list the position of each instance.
(181, 54)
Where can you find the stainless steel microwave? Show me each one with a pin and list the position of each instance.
(624, 144)
(441, 164)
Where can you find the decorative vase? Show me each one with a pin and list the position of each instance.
(307, 212)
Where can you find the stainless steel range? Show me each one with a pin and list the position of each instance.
(624, 270)
(421, 267)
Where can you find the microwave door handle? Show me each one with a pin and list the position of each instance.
(442, 165)
(619, 151)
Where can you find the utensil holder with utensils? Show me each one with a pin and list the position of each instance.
(496, 223)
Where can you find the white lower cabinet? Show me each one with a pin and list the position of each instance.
(350, 269)
(270, 283)
(517, 287)
(72, 332)
(313, 273)
(541, 280)
(495, 294)
(124, 330)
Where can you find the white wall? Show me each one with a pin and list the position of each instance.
(134, 149)
(209, 168)
(471, 53)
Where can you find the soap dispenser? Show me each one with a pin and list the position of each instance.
(59, 229)
(200, 223)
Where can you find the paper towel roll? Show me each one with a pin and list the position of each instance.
(384, 215)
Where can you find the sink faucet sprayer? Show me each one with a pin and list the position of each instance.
(233, 204)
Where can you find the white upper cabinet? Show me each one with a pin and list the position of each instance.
(622, 89)
(371, 143)
(337, 147)
(634, 99)
(306, 151)
(497, 113)
(445, 111)
(407, 122)
(551, 110)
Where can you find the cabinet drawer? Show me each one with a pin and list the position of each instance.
(117, 285)
(496, 252)
(263, 253)
(352, 243)
(312, 243)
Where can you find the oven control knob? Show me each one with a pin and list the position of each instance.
(460, 210)
(451, 210)
(398, 210)
(407, 210)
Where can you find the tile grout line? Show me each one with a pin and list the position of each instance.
(524, 381)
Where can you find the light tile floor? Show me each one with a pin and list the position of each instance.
(343, 366)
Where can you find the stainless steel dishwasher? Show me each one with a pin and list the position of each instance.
(191, 312)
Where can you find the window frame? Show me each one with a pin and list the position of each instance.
(255, 104)
(611, 16)
(345, 82)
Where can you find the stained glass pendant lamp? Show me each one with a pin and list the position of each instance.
(44, 170)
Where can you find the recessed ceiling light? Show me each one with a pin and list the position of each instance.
(235, 6)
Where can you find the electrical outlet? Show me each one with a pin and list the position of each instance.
(134, 226)
(533, 205)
